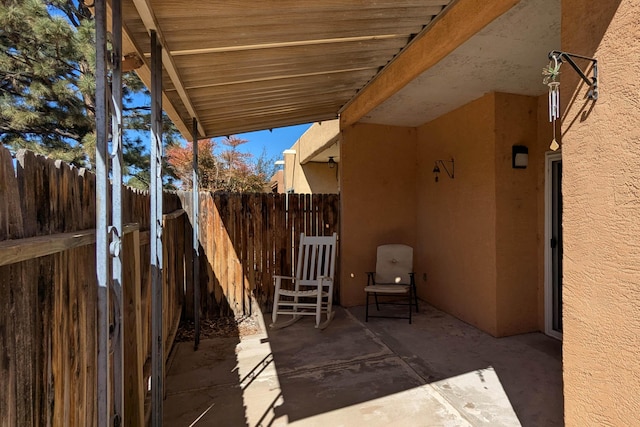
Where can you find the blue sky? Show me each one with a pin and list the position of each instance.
(275, 141)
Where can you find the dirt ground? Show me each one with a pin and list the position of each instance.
(221, 327)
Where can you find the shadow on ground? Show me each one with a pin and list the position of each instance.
(437, 371)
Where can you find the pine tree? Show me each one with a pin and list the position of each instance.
(47, 86)
(46, 80)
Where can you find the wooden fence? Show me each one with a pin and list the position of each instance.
(247, 238)
(48, 350)
(48, 330)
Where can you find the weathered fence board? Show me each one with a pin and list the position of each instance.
(247, 238)
(48, 291)
(48, 342)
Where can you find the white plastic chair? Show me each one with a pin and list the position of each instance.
(393, 277)
(312, 290)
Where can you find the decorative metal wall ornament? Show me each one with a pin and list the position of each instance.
(436, 168)
(551, 73)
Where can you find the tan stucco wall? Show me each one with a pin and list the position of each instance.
(277, 181)
(545, 135)
(601, 190)
(377, 195)
(479, 237)
(517, 268)
(478, 234)
(309, 178)
(456, 217)
(319, 137)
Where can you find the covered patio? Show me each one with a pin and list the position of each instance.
(460, 85)
(438, 371)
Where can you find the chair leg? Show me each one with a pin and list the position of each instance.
(274, 313)
(410, 305)
(415, 296)
(375, 295)
(366, 309)
(319, 307)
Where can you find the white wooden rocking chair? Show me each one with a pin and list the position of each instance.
(312, 290)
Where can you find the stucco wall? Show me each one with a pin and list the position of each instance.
(517, 267)
(312, 177)
(378, 203)
(456, 217)
(478, 234)
(601, 190)
(544, 137)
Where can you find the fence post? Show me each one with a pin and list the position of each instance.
(157, 347)
(195, 217)
(116, 207)
(102, 209)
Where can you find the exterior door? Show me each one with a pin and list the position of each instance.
(553, 251)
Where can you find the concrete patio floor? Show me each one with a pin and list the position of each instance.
(438, 371)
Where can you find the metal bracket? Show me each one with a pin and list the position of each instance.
(568, 57)
(116, 242)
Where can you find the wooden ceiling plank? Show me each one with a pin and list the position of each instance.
(198, 76)
(267, 9)
(236, 127)
(204, 101)
(258, 107)
(306, 43)
(308, 111)
(260, 88)
(214, 42)
(286, 77)
(303, 116)
(291, 54)
(289, 25)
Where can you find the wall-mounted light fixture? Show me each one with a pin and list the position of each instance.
(331, 162)
(519, 157)
(436, 168)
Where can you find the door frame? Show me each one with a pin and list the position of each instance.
(550, 157)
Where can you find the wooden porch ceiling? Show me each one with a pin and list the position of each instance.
(240, 66)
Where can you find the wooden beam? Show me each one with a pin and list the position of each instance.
(129, 47)
(12, 251)
(173, 215)
(450, 30)
(150, 22)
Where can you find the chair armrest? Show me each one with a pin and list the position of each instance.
(322, 281)
(277, 281)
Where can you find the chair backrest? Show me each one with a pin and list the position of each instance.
(394, 263)
(316, 258)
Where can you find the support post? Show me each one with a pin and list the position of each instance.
(116, 209)
(157, 339)
(102, 206)
(195, 217)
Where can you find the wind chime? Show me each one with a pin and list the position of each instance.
(551, 73)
